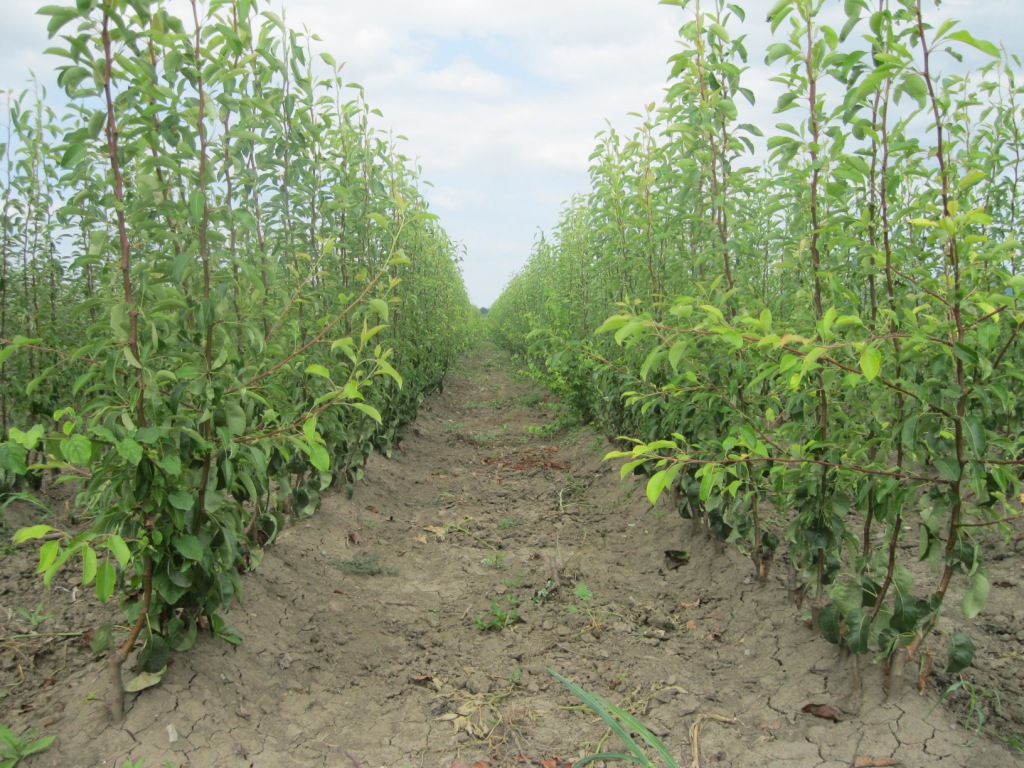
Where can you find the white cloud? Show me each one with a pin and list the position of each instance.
(467, 79)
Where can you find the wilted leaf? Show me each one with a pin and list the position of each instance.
(144, 680)
(824, 711)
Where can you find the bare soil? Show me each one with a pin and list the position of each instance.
(362, 648)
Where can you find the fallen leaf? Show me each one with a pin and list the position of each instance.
(425, 680)
(691, 624)
(439, 531)
(824, 711)
(864, 761)
(694, 604)
(144, 680)
(421, 539)
(770, 725)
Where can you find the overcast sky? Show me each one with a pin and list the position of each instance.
(500, 101)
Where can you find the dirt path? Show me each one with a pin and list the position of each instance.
(361, 647)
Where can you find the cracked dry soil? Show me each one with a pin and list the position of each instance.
(361, 647)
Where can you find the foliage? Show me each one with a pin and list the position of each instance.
(624, 725)
(14, 749)
(222, 291)
(499, 617)
(823, 352)
(975, 713)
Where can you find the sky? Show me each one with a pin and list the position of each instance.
(500, 101)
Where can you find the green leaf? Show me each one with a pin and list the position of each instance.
(130, 450)
(976, 595)
(32, 532)
(13, 458)
(963, 36)
(196, 205)
(960, 654)
(74, 155)
(190, 547)
(120, 549)
(660, 480)
(369, 410)
(380, 307)
(318, 370)
(613, 323)
(915, 87)
(88, 565)
(236, 419)
(102, 638)
(718, 30)
(386, 369)
(870, 363)
(949, 468)
(319, 457)
(976, 437)
(77, 449)
(182, 499)
(707, 482)
(858, 630)
(966, 354)
(828, 624)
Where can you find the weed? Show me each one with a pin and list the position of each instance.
(507, 522)
(584, 594)
(585, 597)
(35, 617)
(495, 560)
(975, 716)
(623, 724)
(512, 582)
(544, 593)
(1014, 741)
(363, 565)
(586, 607)
(498, 618)
(14, 749)
(7, 545)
